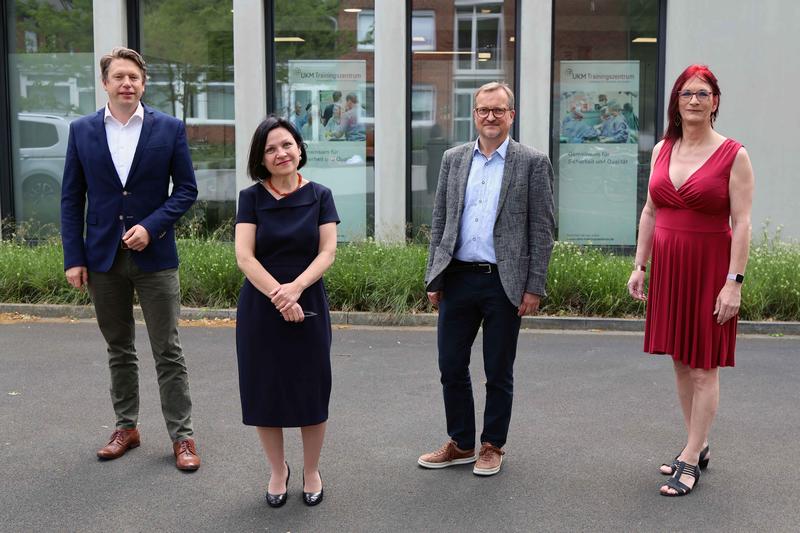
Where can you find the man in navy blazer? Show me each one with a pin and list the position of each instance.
(121, 159)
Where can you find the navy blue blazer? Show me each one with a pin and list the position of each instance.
(89, 173)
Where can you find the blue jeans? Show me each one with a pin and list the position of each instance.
(470, 299)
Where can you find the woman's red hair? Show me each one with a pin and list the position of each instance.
(674, 127)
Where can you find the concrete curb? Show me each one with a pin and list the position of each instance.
(354, 318)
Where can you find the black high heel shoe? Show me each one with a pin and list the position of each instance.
(674, 482)
(313, 498)
(702, 463)
(277, 500)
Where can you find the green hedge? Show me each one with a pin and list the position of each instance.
(388, 278)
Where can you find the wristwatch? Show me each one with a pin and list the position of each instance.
(738, 278)
(639, 268)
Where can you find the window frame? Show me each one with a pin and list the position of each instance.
(474, 17)
(430, 89)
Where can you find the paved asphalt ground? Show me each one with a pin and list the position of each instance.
(593, 419)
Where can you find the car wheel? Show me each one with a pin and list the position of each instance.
(41, 200)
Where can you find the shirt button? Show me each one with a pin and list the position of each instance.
(476, 220)
(121, 217)
(124, 193)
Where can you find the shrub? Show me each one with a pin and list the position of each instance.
(368, 276)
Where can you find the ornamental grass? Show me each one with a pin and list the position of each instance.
(368, 276)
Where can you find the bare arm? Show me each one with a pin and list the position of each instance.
(286, 295)
(740, 189)
(254, 271)
(644, 244)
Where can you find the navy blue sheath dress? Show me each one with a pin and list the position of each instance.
(284, 367)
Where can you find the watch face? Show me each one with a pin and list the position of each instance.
(739, 278)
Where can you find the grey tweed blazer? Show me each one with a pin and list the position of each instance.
(523, 230)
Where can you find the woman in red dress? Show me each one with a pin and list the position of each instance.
(695, 229)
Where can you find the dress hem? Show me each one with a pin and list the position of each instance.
(254, 424)
(677, 358)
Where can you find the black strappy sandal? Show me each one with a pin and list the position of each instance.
(675, 483)
(702, 463)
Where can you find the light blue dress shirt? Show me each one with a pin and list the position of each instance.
(476, 233)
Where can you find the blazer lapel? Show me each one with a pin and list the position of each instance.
(101, 141)
(465, 162)
(147, 127)
(508, 174)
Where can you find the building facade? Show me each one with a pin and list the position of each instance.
(380, 88)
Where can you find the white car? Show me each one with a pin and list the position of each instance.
(42, 147)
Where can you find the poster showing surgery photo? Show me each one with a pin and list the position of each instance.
(597, 154)
(325, 100)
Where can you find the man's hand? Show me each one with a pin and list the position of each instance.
(434, 298)
(78, 277)
(529, 305)
(137, 238)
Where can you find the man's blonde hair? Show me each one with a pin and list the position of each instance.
(120, 52)
(494, 86)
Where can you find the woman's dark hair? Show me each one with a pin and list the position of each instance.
(674, 127)
(255, 161)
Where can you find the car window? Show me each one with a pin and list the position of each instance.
(37, 134)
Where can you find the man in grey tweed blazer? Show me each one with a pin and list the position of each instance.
(491, 238)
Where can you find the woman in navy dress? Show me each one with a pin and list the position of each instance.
(285, 241)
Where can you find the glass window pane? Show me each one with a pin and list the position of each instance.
(37, 134)
(220, 102)
(604, 111)
(51, 71)
(188, 46)
(365, 32)
(325, 86)
(422, 104)
(464, 43)
(488, 50)
(423, 31)
(464, 34)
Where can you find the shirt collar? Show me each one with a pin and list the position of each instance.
(501, 150)
(138, 113)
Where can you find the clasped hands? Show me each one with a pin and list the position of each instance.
(284, 297)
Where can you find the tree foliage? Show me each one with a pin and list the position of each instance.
(317, 23)
(187, 43)
(62, 26)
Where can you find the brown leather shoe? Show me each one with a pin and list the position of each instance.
(489, 460)
(447, 455)
(186, 457)
(120, 442)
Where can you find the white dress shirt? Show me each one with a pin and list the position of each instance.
(122, 140)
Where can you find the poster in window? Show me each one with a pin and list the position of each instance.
(597, 163)
(327, 102)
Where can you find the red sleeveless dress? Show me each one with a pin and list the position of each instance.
(689, 263)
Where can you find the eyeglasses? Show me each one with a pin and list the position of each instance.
(701, 95)
(498, 112)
